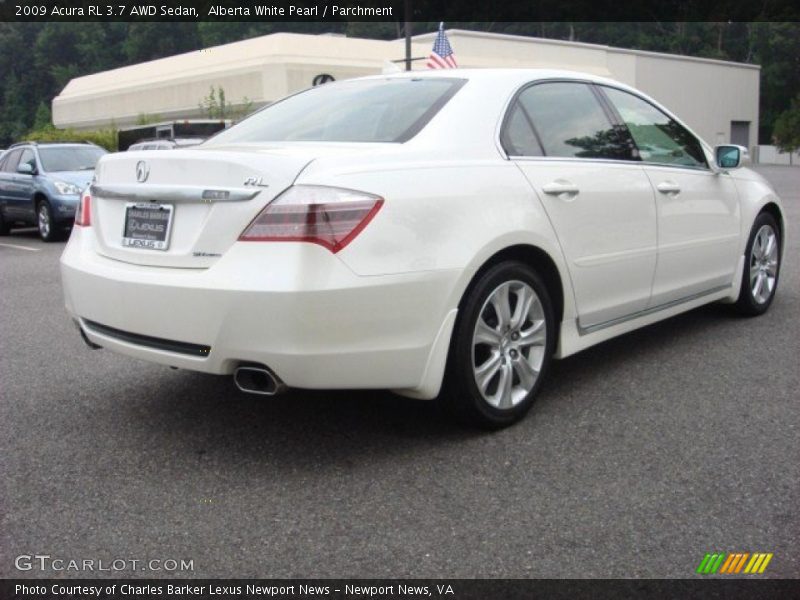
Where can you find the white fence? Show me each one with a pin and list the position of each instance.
(769, 155)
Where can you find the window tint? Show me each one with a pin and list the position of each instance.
(12, 160)
(375, 110)
(518, 137)
(660, 139)
(571, 122)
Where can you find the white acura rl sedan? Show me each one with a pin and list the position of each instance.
(440, 235)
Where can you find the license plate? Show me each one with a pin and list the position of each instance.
(147, 226)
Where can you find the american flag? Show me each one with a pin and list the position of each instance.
(442, 56)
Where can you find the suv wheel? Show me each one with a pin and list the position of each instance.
(45, 222)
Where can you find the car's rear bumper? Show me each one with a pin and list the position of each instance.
(295, 308)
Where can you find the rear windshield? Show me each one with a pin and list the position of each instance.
(70, 158)
(375, 110)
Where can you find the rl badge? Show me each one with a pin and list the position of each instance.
(732, 563)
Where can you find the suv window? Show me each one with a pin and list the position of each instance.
(28, 158)
(660, 139)
(569, 121)
(11, 161)
(70, 158)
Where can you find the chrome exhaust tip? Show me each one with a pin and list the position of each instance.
(258, 380)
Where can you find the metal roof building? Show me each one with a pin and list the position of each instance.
(716, 98)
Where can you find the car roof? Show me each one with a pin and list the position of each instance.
(59, 144)
(510, 75)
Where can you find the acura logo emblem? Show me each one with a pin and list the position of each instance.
(142, 171)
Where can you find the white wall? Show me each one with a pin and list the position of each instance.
(769, 155)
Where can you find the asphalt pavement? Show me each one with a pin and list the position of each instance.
(641, 455)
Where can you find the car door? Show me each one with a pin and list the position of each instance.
(8, 182)
(20, 202)
(698, 208)
(599, 199)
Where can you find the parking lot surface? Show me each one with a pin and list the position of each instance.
(641, 455)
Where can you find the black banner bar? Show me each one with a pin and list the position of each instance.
(399, 589)
(452, 11)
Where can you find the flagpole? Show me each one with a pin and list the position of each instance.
(407, 27)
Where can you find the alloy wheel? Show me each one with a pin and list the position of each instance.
(44, 220)
(764, 264)
(508, 344)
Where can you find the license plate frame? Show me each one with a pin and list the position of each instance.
(147, 237)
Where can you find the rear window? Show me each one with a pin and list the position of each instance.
(375, 110)
(70, 158)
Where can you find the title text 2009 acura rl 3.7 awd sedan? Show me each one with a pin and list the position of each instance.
(440, 236)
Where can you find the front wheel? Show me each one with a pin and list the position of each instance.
(45, 222)
(761, 267)
(501, 348)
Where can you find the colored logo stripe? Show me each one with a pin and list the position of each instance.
(711, 563)
(734, 563)
(722, 562)
(758, 563)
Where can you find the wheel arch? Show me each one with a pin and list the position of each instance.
(774, 210)
(39, 197)
(528, 254)
(532, 256)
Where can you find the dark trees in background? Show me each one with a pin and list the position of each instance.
(38, 59)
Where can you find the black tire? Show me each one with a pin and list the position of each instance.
(4, 226)
(749, 303)
(461, 396)
(49, 231)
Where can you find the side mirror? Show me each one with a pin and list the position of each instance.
(25, 169)
(729, 156)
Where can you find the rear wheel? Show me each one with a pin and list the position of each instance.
(502, 345)
(44, 221)
(4, 226)
(761, 267)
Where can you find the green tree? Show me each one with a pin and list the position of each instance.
(787, 129)
(214, 104)
(148, 41)
(15, 113)
(43, 119)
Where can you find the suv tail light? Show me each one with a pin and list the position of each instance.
(330, 217)
(83, 216)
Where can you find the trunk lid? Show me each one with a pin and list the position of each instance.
(214, 194)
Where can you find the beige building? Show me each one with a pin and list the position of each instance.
(718, 99)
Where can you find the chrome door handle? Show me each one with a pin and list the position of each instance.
(668, 187)
(558, 187)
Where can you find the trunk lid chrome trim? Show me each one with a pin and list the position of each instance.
(173, 194)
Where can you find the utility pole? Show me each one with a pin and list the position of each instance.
(408, 18)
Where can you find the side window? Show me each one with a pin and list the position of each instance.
(28, 158)
(570, 122)
(11, 162)
(660, 139)
(518, 137)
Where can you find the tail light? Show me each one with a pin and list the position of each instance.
(83, 216)
(330, 217)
